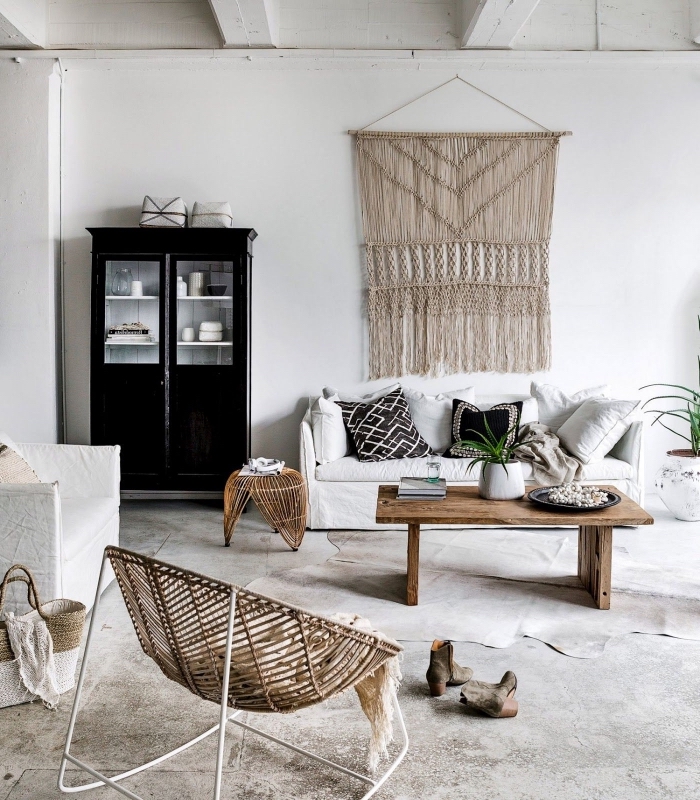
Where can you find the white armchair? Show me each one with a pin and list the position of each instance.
(60, 527)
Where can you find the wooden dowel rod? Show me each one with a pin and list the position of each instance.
(461, 133)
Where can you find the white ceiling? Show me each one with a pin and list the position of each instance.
(351, 24)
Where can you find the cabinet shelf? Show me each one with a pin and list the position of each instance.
(207, 297)
(131, 297)
(132, 344)
(205, 344)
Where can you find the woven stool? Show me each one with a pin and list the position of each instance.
(281, 499)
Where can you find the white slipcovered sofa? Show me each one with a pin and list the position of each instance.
(60, 527)
(343, 493)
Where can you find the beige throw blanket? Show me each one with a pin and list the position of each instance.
(376, 694)
(551, 465)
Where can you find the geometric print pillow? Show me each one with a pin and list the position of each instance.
(383, 429)
(468, 422)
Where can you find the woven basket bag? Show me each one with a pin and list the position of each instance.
(64, 619)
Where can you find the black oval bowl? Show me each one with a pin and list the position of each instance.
(216, 289)
(540, 496)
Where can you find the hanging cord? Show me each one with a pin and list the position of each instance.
(471, 86)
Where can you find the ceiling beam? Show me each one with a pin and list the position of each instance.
(23, 23)
(494, 23)
(247, 23)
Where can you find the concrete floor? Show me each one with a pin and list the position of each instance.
(625, 726)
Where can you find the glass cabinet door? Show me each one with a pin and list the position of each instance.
(204, 298)
(132, 318)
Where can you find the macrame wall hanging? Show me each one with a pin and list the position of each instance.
(457, 229)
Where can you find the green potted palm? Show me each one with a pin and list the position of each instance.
(501, 476)
(678, 480)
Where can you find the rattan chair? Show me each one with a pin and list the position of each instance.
(236, 648)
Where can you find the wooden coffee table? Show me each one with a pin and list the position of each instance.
(463, 506)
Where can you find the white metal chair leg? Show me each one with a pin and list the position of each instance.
(375, 784)
(224, 697)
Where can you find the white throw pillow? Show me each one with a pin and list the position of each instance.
(555, 407)
(5, 439)
(432, 416)
(333, 394)
(596, 427)
(330, 434)
(527, 415)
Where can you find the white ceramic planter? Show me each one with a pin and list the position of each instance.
(678, 483)
(497, 483)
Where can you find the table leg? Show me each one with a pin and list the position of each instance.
(412, 565)
(595, 562)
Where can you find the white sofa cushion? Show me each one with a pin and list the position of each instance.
(596, 427)
(432, 415)
(333, 394)
(83, 518)
(529, 413)
(453, 469)
(330, 435)
(555, 407)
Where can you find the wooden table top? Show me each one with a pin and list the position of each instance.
(463, 506)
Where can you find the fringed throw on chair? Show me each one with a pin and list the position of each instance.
(457, 229)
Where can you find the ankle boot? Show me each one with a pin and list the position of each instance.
(494, 699)
(444, 670)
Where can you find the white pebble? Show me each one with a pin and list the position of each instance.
(575, 494)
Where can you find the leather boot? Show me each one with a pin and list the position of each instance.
(444, 670)
(494, 699)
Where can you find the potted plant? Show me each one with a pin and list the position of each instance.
(678, 480)
(501, 476)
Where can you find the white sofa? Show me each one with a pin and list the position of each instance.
(343, 493)
(60, 527)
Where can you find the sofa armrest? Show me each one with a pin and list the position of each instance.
(631, 450)
(30, 534)
(81, 470)
(307, 454)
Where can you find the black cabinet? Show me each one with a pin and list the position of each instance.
(172, 391)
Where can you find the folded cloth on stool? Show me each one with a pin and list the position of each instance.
(263, 466)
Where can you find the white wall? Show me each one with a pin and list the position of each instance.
(273, 141)
(28, 183)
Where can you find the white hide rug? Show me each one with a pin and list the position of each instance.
(495, 586)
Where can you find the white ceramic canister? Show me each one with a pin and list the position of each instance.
(502, 482)
(188, 334)
(181, 287)
(678, 484)
(137, 288)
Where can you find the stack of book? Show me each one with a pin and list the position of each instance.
(422, 489)
(130, 333)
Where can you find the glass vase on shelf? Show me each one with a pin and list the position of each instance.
(121, 282)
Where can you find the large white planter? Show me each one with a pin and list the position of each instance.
(678, 483)
(497, 483)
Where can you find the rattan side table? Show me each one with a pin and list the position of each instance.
(281, 499)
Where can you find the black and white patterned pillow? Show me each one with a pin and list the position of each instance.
(383, 429)
(468, 421)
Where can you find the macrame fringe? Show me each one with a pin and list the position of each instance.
(435, 344)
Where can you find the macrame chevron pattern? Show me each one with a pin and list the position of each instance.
(457, 229)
